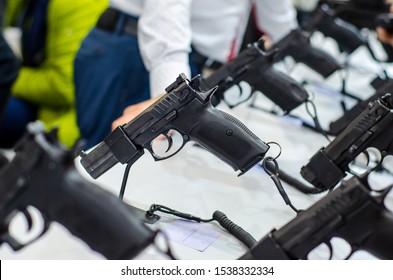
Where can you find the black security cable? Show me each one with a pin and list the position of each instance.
(234, 229)
(270, 168)
(218, 216)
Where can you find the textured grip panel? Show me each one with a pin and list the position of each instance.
(284, 91)
(239, 124)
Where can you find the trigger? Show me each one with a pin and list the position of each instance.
(330, 247)
(366, 153)
(240, 90)
(170, 141)
(29, 219)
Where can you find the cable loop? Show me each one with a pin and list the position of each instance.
(280, 148)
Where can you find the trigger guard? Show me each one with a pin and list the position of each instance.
(252, 90)
(12, 242)
(237, 103)
(170, 139)
(15, 244)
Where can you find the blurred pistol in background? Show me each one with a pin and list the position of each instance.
(42, 175)
(348, 36)
(255, 67)
(298, 46)
(351, 212)
(372, 128)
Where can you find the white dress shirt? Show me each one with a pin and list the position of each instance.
(167, 28)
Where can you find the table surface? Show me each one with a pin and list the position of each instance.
(196, 182)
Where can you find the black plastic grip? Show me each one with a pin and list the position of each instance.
(347, 36)
(223, 135)
(97, 217)
(281, 89)
(317, 59)
(379, 243)
(298, 46)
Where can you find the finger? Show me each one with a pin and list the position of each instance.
(383, 35)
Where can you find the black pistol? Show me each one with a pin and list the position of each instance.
(185, 108)
(43, 175)
(351, 212)
(348, 36)
(361, 13)
(372, 128)
(297, 45)
(255, 67)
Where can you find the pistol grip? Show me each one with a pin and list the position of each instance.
(285, 92)
(224, 136)
(99, 218)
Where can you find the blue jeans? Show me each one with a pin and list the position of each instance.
(109, 76)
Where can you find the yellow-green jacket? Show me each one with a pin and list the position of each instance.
(51, 85)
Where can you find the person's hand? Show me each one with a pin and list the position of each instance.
(384, 36)
(132, 111)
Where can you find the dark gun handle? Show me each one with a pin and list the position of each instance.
(317, 59)
(279, 88)
(347, 36)
(379, 242)
(225, 137)
(98, 217)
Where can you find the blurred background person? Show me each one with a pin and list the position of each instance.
(139, 47)
(52, 31)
